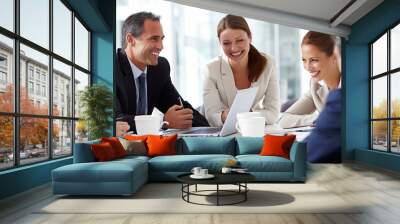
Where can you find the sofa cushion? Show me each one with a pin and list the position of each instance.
(185, 163)
(249, 145)
(136, 137)
(116, 144)
(134, 147)
(277, 145)
(159, 145)
(103, 151)
(129, 159)
(257, 163)
(206, 145)
(83, 152)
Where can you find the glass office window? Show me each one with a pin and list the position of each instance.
(379, 133)
(81, 131)
(7, 14)
(395, 136)
(395, 47)
(395, 95)
(62, 138)
(6, 142)
(379, 98)
(62, 29)
(34, 73)
(379, 56)
(40, 62)
(81, 81)
(6, 74)
(35, 21)
(385, 96)
(62, 93)
(81, 45)
(34, 144)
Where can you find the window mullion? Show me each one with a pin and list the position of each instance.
(50, 81)
(389, 106)
(16, 69)
(371, 50)
(73, 82)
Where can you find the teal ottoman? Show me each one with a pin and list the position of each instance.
(118, 177)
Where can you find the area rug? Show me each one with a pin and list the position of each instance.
(167, 198)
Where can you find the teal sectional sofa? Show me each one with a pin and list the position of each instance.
(125, 176)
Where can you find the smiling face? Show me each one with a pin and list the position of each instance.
(145, 49)
(235, 43)
(317, 62)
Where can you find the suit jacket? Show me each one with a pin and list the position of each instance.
(219, 91)
(302, 113)
(161, 93)
(324, 142)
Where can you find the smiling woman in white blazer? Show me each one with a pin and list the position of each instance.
(241, 67)
(321, 58)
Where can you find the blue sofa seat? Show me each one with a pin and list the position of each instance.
(257, 163)
(167, 168)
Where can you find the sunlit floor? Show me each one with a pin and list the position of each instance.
(378, 189)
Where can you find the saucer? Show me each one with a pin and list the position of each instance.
(208, 176)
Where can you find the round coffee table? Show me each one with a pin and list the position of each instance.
(238, 179)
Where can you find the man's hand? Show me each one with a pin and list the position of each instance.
(122, 128)
(179, 117)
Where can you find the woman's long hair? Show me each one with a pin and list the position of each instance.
(257, 61)
(324, 42)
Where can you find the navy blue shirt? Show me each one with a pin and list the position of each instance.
(324, 142)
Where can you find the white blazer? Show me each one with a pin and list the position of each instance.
(302, 112)
(219, 91)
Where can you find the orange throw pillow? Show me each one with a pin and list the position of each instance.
(136, 137)
(116, 145)
(277, 145)
(103, 151)
(161, 145)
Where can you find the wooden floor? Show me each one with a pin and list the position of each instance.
(377, 188)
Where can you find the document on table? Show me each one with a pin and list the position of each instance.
(300, 132)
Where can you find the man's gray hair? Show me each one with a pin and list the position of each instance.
(134, 24)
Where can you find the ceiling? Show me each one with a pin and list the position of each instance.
(329, 16)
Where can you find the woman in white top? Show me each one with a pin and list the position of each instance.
(241, 67)
(321, 58)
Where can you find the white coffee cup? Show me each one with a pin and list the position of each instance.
(203, 172)
(239, 116)
(248, 114)
(148, 124)
(196, 170)
(251, 126)
(226, 170)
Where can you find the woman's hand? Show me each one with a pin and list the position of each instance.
(224, 115)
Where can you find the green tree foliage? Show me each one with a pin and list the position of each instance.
(380, 127)
(33, 131)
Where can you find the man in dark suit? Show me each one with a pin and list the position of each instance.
(143, 77)
(324, 142)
